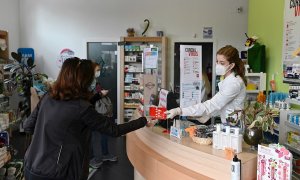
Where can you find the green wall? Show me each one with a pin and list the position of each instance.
(265, 20)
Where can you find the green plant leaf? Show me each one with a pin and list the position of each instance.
(264, 126)
(252, 124)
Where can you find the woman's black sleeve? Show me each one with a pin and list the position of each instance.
(95, 98)
(98, 122)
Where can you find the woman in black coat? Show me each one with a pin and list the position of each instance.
(61, 125)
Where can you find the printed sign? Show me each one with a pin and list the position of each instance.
(26, 54)
(175, 132)
(207, 33)
(190, 75)
(64, 54)
(151, 58)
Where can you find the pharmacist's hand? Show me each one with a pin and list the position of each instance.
(104, 92)
(173, 112)
(151, 122)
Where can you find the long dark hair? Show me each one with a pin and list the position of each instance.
(74, 80)
(232, 55)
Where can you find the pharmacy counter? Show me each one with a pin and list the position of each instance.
(156, 156)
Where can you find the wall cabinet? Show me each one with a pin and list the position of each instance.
(256, 82)
(4, 101)
(289, 133)
(138, 73)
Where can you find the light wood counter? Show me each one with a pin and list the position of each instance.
(157, 156)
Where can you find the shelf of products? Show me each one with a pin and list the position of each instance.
(291, 81)
(292, 101)
(252, 91)
(290, 130)
(137, 69)
(290, 147)
(256, 82)
(292, 125)
(5, 116)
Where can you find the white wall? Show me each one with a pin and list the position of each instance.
(50, 26)
(9, 21)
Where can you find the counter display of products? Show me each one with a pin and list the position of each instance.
(155, 155)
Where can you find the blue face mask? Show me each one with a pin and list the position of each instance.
(93, 85)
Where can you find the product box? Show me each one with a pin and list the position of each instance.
(158, 112)
(274, 162)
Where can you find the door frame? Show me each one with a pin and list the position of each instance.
(195, 40)
(109, 40)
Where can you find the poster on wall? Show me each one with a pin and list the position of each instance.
(64, 54)
(207, 33)
(291, 40)
(190, 75)
(26, 53)
(151, 57)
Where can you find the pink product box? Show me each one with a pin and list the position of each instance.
(274, 163)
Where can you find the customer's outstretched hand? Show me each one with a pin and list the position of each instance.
(104, 92)
(151, 122)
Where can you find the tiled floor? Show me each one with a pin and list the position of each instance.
(122, 169)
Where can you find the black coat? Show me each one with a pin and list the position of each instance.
(60, 139)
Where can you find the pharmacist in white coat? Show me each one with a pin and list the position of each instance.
(232, 90)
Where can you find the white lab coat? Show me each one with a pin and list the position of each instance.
(231, 96)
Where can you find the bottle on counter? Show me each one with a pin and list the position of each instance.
(235, 168)
(226, 138)
(236, 140)
(217, 137)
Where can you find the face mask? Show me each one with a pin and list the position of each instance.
(221, 70)
(93, 85)
(97, 74)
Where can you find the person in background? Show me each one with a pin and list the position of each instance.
(99, 142)
(205, 88)
(61, 124)
(232, 90)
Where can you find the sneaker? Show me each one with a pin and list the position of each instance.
(109, 157)
(95, 164)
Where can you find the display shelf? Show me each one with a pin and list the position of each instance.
(292, 125)
(254, 74)
(292, 101)
(133, 69)
(258, 81)
(131, 107)
(132, 90)
(291, 81)
(252, 91)
(132, 99)
(295, 175)
(134, 72)
(293, 149)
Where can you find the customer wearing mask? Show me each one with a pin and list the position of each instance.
(99, 141)
(232, 90)
(61, 124)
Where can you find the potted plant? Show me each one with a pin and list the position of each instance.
(258, 118)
